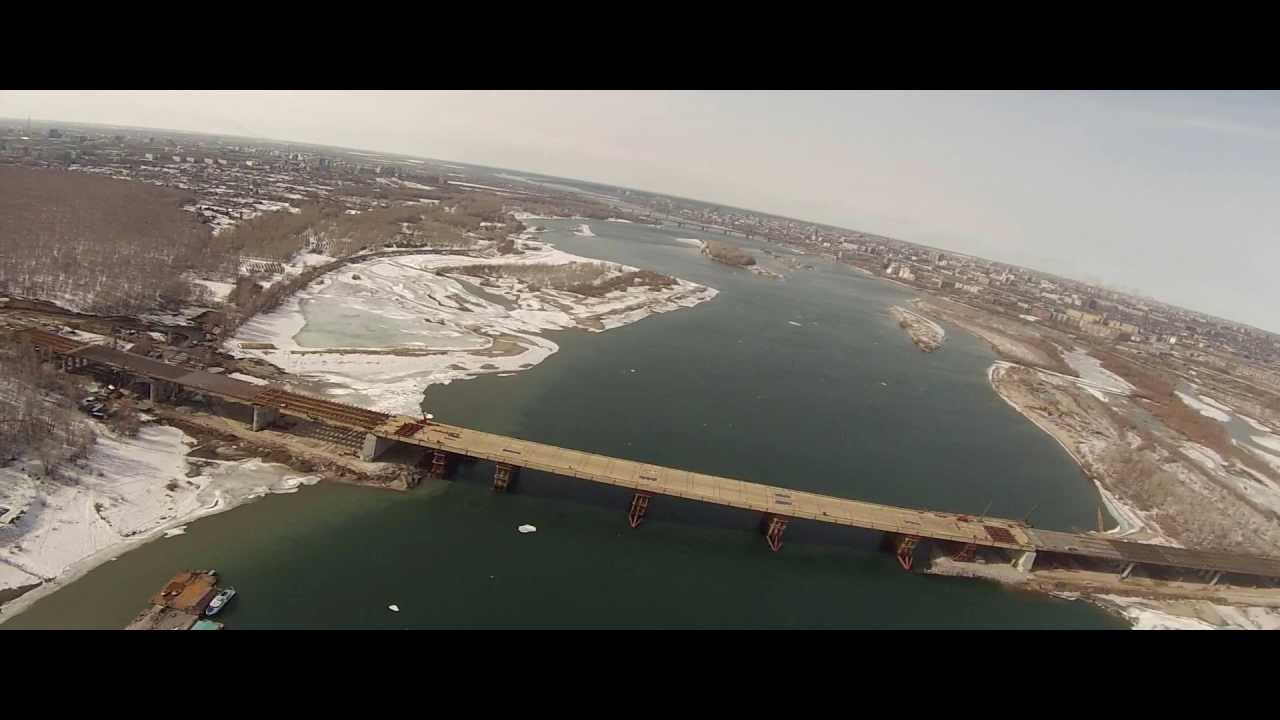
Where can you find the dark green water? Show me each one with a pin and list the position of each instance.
(842, 404)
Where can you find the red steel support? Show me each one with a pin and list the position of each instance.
(906, 547)
(639, 506)
(439, 463)
(965, 553)
(503, 475)
(773, 526)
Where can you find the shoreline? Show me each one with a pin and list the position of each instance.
(1145, 607)
(228, 492)
(1126, 518)
(925, 333)
(233, 483)
(474, 325)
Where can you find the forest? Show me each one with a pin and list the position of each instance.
(97, 244)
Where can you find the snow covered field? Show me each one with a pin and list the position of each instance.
(1192, 615)
(1204, 408)
(383, 331)
(1091, 371)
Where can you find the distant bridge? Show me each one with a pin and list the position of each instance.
(904, 528)
(681, 223)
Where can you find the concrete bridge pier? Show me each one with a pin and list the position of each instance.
(264, 417)
(1025, 561)
(503, 476)
(372, 449)
(439, 464)
(159, 390)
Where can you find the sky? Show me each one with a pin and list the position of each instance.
(1169, 194)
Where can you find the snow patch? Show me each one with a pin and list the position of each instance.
(1090, 370)
(220, 290)
(410, 322)
(1203, 408)
(127, 491)
(248, 378)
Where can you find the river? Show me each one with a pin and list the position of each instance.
(806, 383)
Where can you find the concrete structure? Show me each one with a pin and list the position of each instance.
(904, 528)
(374, 447)
(264, 416)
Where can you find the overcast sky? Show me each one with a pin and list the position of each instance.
(1176, 195)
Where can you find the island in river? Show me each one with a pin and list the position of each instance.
(723, 252)
(925, 333)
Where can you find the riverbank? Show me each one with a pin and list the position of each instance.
(127, 492)
(1008, 339)
(1146, 604)
(416, 318)
(1155, 493)
(380, 334)
(1158, 485)
(305, 572)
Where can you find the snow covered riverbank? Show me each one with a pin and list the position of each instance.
(1148, 614)
(1129, 519)
(379, 333)
(127, 491)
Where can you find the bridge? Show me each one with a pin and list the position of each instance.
(680, 222)
(903, 528)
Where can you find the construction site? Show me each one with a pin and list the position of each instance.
(416, 445)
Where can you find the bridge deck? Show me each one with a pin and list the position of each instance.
(1149, 554)
(286, 401)
(57, 343)
(710, 488)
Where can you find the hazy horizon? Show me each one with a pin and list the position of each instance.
(1163, 194)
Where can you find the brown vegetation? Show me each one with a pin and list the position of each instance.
(727, 254)
(278, 235)
(124, 418)
(589, 279)
(565, 207)
(1053, 352)
(1205, 516)
(1200, 514)
(329, 229)
(38, 414)
(105, 245)
(1159, 386)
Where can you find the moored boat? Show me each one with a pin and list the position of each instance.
(220, 601)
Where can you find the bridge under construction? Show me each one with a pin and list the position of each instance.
(904, 528)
